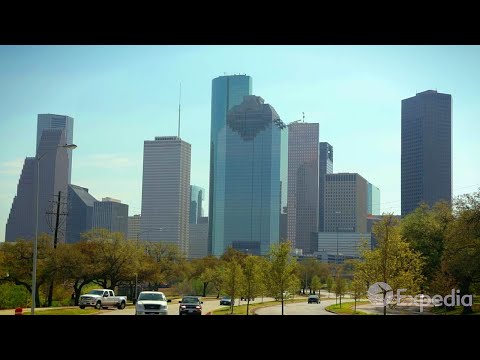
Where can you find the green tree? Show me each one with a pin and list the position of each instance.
(393, 261)
(232, 280)
(204, 269)
(329, 285)
(252, 279)
(281, 270)
(339, 286)
(316, 284)
(357, 290)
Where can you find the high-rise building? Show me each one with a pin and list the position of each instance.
(302, 205)
(373, 199)
(338, 247)
(80, 212)
(110, 214)
(52, 121)
(197, 195)
(198, 239)
(166, 191)
(325, 166)
(53, 178)
(254, 179)
(345, 203)
(426, 149)
(227, 92)
(134, 227)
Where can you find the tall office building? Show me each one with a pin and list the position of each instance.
(373, 199)
(80, 212)
(325, 166)
(134, 227)
(345, 203)
(227, 92)
(52, 121)
(110, 214)
(197, 195)
(198, 239)
(247, 218)
(426, 149)
(166, 191)
(302, 206)
(53, 178)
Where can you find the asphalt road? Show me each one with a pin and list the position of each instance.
(298, 309)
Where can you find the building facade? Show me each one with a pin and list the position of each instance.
(112, 215)
(80, 212)
(255, 178)
(134, 227)
(345, 203)
(197, 195)
(302, 203)
(52, 121)
(426, 164)
(53, 178)
(166, 191)
(342, 245)
(373, 199)
(199, 239)
(227, 92)
(325, 166)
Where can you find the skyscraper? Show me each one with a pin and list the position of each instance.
(373, 199)
(426, 149)
(51, 121)
(254, 177)
(134, 227)
(166, 191)
(227, 91)
(53, 178)
(198, 237)
(112, 215)
(197, 195)
(345, 203)
(80, 212)
(325, 166)
(302, 206)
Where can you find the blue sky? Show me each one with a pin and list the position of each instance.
(120, 96)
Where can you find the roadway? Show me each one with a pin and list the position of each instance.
(298, 309)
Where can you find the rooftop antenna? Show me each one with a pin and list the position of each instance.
(179, 109)
(303, 116)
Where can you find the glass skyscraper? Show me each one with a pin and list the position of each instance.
(373, 200)
(250, 178)
(196, 203)
(426, 149)
(325, 166)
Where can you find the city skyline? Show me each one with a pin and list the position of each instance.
(139, 93)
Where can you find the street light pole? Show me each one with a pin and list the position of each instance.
(35, 243)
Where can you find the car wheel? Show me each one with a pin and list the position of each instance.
(82, 306)
(98, 305)
(121, 306)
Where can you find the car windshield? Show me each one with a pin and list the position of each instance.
(96, 292)
(151, 296)
(313, 296)
(190, 300)
(225, 298)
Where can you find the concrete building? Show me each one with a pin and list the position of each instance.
(110, 214)
(249, 193)
(373, 199)
(134, 227)
(197, 195)
(199, 239)
(302, 205)
(426, 149)
(53, 178)
(52, 121)
(80, 212)
(345, 203)
(347, 245)
(325, 166)
(166, 191)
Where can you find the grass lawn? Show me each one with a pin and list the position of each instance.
(347, 308)
(242, 309)
(69, 311)
(457, 311)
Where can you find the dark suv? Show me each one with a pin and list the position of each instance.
(313, 299)
(190, 305)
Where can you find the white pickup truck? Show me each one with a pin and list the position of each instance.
(102, 298)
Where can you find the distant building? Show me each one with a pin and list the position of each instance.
(52, 121)
(325, 166)
(53, 178)
(80, 212)
(345, 203)
(426, 149)
(254, 178)
(302, 205)
(166, 191)
(199, 239)
(347, 245)
(197, 195)
(371, 221)
(112, 215)
(373, 199)
(134, 227)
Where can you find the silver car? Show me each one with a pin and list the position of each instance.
(151, 303)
